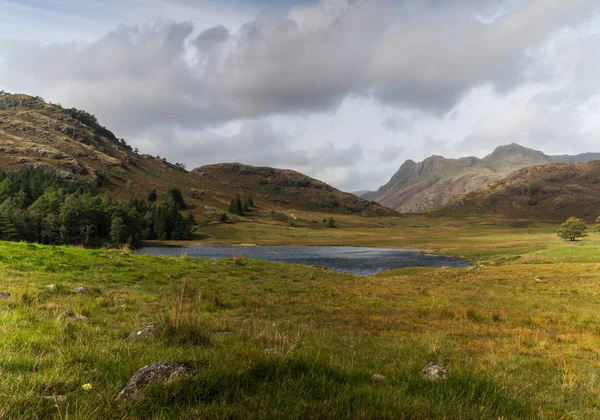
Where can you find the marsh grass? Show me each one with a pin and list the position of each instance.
(303, 342)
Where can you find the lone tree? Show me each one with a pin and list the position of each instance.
(572, 229)
(598, 224)
(152, 196)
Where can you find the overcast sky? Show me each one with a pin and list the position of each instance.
(343, 90)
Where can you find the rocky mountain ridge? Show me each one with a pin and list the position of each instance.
(437, 180)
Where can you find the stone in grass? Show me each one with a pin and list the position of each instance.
(434, 372)
(56, 399)
(51, 288)
(153, 373)
(81, 291)
(378, 378)
(147, 331)
(4, 295)
(71, 316)
(272, 352)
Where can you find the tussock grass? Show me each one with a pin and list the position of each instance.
(520, 338)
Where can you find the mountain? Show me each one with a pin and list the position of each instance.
(71, 143)
(437, 180)
(551, 192)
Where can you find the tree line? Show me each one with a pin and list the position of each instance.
(40, 207)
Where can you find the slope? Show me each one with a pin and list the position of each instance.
(550, 192)
(72, 144)
(437, 180)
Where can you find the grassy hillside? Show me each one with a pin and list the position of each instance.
(518, 332)
(551, 192)
(72, 144)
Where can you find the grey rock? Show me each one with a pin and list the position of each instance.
(147, 331)
(152, 373)
(378, 378)
(434, 372)
(81, 291)
(4, 295)
(273, 352)
(51, 288)
(57, 399)
(71, 316)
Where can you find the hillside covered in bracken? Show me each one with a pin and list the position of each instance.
(550, 192)
(72, 144)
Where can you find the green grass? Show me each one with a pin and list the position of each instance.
(519, 333)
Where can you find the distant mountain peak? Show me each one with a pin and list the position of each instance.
(437, 180)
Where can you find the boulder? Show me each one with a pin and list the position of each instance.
(81, 291)
(147, 331)
(4, 295)
(51, 288)
(378, 378)
(71, 316)
(153, 373)
(434, 372)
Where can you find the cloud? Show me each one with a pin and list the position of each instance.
(414, 54)
(170, 86)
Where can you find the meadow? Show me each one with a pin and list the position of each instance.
(519, 331)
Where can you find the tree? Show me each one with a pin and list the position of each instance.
(152, 196)
(177, 197)
(117, 230)
(223, 218)
(331, 222)
(598, 223)
(250, 200)
(572, 229)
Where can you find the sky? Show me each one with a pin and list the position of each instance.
(342, 90)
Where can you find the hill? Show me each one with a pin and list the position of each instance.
(72, 144)
(437, 180)
(551, 192)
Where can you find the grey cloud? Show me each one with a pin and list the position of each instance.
(422, 55)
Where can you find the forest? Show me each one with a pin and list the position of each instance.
(45, 208)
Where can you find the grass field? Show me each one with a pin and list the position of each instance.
(519, 331)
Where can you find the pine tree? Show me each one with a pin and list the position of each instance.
(117, 230)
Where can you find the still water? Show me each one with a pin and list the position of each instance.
(362, 261)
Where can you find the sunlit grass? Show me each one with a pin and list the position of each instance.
(519, 332)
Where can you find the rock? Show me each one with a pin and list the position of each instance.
(147, 331)
(273, 352)
(51, 288)
(378, 378)
(4, 295)
(71, 316)
(152, 373)
(434, 372)
(81, 291)
(57, 399)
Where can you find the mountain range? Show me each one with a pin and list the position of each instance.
(437, 180)
(71, 143)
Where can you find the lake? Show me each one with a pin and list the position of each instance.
(354, 260)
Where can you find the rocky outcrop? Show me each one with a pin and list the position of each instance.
(437, 181)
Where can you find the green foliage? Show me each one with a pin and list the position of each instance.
(117, 229)
(177, 196)
(598, 223)
(236, 206)
(331, 222)
(572, 229)
(223, 218)
(38, 207)
(152, 196)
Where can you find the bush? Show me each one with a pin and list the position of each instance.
(572, 229)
